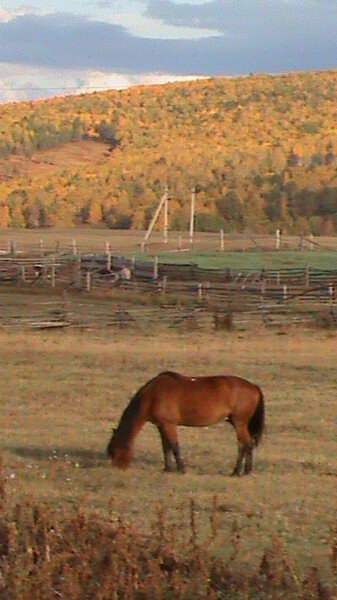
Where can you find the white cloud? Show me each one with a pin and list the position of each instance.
(19, 82)
(7, 14)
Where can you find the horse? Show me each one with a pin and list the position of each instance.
(171, 399)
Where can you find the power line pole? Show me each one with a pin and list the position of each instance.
(166, 216)
(162, 203)
(192, 215)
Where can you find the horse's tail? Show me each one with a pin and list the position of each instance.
(256, 424)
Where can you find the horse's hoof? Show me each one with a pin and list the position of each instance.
(235, 474)
(168, 470)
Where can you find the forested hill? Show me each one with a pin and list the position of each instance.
(261, 151)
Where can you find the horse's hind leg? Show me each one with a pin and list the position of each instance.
(168, 433)
(249, 459)
(245, 449)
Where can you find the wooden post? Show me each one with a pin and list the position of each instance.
(222, 240)
(74, 245)
(41, 244)
(88, 281)
(78, 273)
(53, 276)
(307, 276)
(155, 268)
(164, 283)
(331, 293)
(312, 246)
(192, 216)
(44, 271)
(156, 215)
(108, 261)
(166, 216)
(12, 249)
(133, 265)
(301, 242)
(143, 246)
(285, 293)
(23, 273)
(263, 289)
(277, 239)
(200, 291)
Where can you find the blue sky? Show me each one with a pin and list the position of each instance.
(115, 43)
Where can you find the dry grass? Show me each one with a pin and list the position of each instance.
(206, 250)
(63, 392)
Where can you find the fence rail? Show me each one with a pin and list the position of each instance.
(192, 293)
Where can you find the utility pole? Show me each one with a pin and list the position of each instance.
(163, 202)
(192, 215)
(166, 216)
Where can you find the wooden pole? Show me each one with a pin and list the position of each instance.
(78, 273)
(307, 276)
(200, 291)
(88, 281)
(222, 240)
(312, 246)
(285, 293)
(23, 273)
(155, 268)
(263, 289)
(331, 293)
(156, 215)
(53, 276)
(192, 215)
(277, 239)
(74, 245)
(166, 216)
(12, 249)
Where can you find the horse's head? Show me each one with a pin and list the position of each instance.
(119, 453)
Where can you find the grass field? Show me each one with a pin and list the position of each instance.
(240, 251)
(63, 392)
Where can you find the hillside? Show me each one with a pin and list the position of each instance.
(262, 151)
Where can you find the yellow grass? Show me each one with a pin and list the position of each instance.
(63, 392)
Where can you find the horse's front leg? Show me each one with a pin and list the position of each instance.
(167, 451)
(169, 436)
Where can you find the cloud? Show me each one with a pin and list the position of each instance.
(16, 83)
(238, 17)
(7, 14)
(257, 35)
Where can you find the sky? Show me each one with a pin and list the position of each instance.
(56, 47)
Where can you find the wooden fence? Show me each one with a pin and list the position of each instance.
(186, 292)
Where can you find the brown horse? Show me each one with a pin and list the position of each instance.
(171, 399)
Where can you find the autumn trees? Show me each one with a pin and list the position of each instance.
(262, 150)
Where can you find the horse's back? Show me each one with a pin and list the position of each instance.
(198, 401)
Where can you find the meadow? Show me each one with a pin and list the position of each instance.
(242, 251)
(62, 392)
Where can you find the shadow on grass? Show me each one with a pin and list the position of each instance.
(87, 458)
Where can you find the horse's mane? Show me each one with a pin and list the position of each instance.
(132, 406)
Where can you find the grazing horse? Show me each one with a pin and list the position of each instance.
(171, 399)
